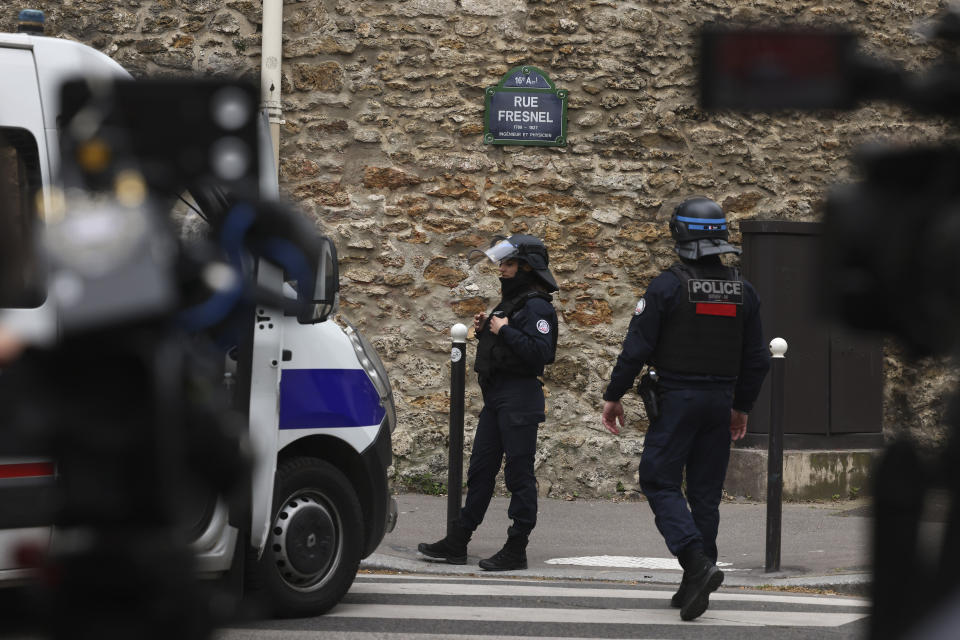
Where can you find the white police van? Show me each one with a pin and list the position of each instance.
(321, 409)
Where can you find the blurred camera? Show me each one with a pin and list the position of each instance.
(128, 401)
(888, 262)
(129, 149)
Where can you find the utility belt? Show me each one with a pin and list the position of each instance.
(652, 384)
(672, 381)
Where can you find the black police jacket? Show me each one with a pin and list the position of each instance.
(648, 329)
(525, 345)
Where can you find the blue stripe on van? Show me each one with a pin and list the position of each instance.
(327, 398)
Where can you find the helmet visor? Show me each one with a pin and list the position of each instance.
(501, 251)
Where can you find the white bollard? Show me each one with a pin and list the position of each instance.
(458, 363)
(778, 347)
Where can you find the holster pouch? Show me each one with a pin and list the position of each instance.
(647, 390)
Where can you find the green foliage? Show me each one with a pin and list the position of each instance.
(620, 487)
(424, 483)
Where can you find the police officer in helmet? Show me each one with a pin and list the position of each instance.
(698, 326)
(515, 342)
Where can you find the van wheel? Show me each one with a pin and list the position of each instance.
(316, 537)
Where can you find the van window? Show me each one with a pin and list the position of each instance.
(21, 275)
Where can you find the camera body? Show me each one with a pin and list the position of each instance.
(175, 377)
(890, 264)
(114, 256)
(888, 259)
(890, 250)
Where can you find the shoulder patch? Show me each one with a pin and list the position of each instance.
(543, 326)
(641, 305)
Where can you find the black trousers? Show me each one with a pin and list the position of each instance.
(512, 409)
(692, 434)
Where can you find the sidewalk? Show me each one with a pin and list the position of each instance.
(824, 546)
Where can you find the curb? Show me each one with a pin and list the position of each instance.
(857, 584)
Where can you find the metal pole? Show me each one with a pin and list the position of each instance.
(458, 366)
(778, 347)
(271, 58)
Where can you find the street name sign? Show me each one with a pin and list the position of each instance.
(526, 108)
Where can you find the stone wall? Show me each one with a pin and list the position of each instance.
(382, 146)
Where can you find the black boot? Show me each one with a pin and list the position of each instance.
(453, 548)
(511, 557)
(677, 600)
(704, 578)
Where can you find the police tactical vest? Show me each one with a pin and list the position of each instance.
(703, 334)
(493, 354)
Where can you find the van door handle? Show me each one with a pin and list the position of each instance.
(286, 355)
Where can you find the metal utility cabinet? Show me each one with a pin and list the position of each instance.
(834, 378)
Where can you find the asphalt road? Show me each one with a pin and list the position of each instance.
(399, 596)
(402, 607)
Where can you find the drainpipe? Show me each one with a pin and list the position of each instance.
(270, 58)
(263, 426)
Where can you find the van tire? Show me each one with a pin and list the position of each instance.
(315, 541)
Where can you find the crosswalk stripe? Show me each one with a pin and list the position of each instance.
(286, 634)
(591, 616)
(500, 589)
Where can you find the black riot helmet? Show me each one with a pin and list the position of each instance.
(529, 249)
(699, 228)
